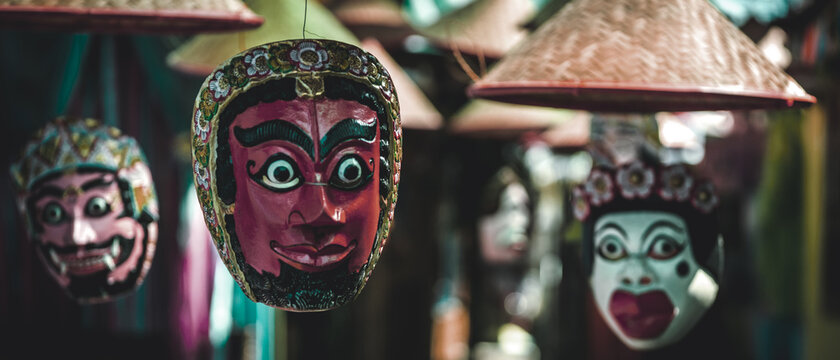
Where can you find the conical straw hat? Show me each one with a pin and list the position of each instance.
(573, 133)
(383, 13)
(283, 20)
(642, 56)
(128, 16)
(380, 19)
(500, 120)
(416, 111)
(487, 27)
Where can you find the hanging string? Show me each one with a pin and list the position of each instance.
(464, 66)
(305, 9)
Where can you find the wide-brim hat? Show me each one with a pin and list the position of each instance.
(484, 118)
(416, 111)
(380, 19)
(486, 27)
(284, 19)
(641, 56)
(128, 16)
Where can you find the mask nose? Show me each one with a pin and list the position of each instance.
(81, 233)
(314, 208)
(636, 274)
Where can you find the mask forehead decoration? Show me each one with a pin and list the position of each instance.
(297, 147)
(90, 206)
(652, 249)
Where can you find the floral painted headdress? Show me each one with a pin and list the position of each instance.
(308, 62)
(67, 144)
(670, 184)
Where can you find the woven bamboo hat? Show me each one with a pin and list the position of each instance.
(416, 111)
(571, 134)
(283, 20)
(485, 118)
(380, 19)
(128, 16)
(484, 27)
(643, 56)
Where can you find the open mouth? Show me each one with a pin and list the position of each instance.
(311, 258)
(643, 316)
(88, 259)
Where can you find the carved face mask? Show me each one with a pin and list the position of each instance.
(504, 233)
(91, 208)
(306, 153)
(651, 273)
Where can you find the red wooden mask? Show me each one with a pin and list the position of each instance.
(297, 148)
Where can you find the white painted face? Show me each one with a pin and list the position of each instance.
(647, 284)
(504, 234)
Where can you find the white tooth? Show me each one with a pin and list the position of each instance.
(62, 268)
(115, 248)
(54, 256)
(109, 261)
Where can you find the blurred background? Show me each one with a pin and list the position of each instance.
(441, 290)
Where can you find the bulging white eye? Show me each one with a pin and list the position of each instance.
(53, 213)
(97, 207)
(350, 173)
(664, 247)
(281, 174)
(611, 248)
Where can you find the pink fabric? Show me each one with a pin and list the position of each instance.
(195, 283)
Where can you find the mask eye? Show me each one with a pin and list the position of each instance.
(97, 207)
(664, 248)
(279, 173)
(350, 173)
(53, 213)
(612, 249)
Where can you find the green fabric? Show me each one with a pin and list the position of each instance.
(779, 227)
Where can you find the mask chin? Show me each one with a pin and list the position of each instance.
(93, 287)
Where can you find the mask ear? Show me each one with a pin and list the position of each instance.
(715, 261)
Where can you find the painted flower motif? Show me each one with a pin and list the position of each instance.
(257, 62)
(635, 180)
(278, 59)
(339, 57)
(237, 72)
(210, 216)
(219, 86)
(207, 105)
(357, 63)
(202, 127)
(676, 183)
(704, 198)
(308, 56)
(599, 187)
(202, 178)
(579, 203)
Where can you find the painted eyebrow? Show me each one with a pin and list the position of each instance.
(347, 129)
(95, 183)
(48, 190)
(274, 130)
(615, 226)
(661, 223)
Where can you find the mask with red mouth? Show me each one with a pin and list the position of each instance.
(297, 148)
(651, 249)
(90, 205)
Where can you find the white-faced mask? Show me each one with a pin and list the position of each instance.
(647, 284)
(504, 234)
